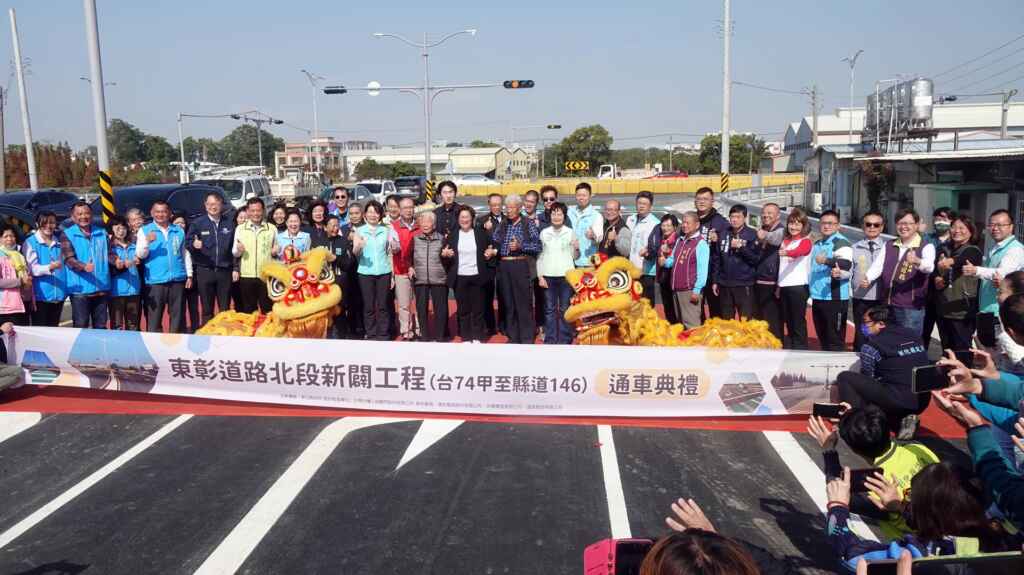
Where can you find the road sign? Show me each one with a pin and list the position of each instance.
(577, 166)
(373, 88)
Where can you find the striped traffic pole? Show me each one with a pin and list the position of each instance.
(106, 195)
(724, 187)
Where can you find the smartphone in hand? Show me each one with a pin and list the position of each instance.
(828, 410)
(858, 478)
(928, 378)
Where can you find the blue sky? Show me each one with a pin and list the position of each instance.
(638, 68)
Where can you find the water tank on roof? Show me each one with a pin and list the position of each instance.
(921, 93)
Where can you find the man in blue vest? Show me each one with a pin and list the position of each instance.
(49, 279)
(85, 252)
(161, 247)
(831, 261)
(210, 239)
(1004, 257)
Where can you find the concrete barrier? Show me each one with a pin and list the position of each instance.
(566, 186)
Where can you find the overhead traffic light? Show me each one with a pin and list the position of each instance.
(554, 126)
(517, 84)
(335, 90)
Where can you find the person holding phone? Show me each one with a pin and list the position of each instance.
(887, 361)
(948, 512)
(865, 430)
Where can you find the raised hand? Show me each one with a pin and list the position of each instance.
(969, 269)
(836, 272)
(688, 515)
(826, 436)
(239, 246)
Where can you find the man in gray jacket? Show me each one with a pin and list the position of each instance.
(430, 278)
(864, 254)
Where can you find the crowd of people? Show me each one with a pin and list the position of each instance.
(396, 266)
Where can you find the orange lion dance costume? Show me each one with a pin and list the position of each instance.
(305, 300)
(609, 309)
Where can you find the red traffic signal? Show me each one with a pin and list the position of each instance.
(517, 84)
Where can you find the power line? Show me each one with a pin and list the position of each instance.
(996, 88)
(979, 69)
(973, 60)
(767, 89)
(987, 78)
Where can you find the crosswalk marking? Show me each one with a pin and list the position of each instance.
(13, 423)
(617, 515)
(95, 477)
(810, 477)
(236, 547)
(430, 432)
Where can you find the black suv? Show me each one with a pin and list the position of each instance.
(185, 198)
(57, 201)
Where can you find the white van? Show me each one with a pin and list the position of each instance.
(239, 189)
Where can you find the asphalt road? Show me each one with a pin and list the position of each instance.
(116, 494)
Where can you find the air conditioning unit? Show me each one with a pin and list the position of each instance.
(816, 203)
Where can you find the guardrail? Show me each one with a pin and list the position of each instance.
(786, 197)
(566, 186)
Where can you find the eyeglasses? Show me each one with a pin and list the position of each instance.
(549, 199)
(341, 197)
(872, 224)
(999, 225)
(829, 223)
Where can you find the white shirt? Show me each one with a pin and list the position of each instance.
(142, 246)
(467, 253)
(1012, 261)
(926, 266)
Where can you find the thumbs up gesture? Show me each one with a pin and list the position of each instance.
(197, 243)
(488, 224)
(969, 269)
(821, 259)
(151, 236)
(836, 272)
(240, 247)
(447, 252)
(912, 259)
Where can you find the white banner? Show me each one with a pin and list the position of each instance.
(436, 377)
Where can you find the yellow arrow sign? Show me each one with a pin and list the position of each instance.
(577, 166)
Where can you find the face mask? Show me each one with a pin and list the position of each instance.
(865, 330)
(941, 227)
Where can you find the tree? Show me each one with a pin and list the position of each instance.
(402, 169)
(878, 179)
(203, 150)
(369, 169)
(240, 146)
(591, 143)
(739, 153)
(158, 150)
(483, 144)
(126, 142)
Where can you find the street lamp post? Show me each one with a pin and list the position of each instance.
(313, 79)
(852, 61)
(258, 121)
(427, 97)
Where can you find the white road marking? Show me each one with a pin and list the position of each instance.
(236, 547)
(810, 476)
(617, 515)
(430, 432)
(12, 423)
(65, 323)
(94, 478)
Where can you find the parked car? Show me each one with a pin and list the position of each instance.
(414, 187)
(240, 188)
(56, 201)
(23, 221)
(186, 198)
(379, 188)
(474, 180)
(673, 175)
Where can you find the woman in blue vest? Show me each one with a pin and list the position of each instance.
(85, 252)
(125, 309)
(373, 244)
(49, 281)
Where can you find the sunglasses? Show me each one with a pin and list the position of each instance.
(341, 197)
(549, 199)
(872, 224)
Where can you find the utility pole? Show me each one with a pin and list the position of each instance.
(313, 79)
(99, 110)
(1006, 110)
(852, 61)
(3, 146)
(670, 151)
(726, 94)
(30, 155)
(814, 114)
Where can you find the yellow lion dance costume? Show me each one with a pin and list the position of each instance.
(609, 309)
(305, 300)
